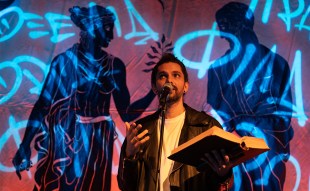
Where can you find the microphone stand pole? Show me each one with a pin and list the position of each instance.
(163, 114)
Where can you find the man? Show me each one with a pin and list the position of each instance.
(138, 159)
(251, 93)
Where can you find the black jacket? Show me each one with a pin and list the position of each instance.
(140, 174)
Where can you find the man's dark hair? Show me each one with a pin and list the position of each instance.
(168, 57)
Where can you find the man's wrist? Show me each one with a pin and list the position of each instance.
(130, 156)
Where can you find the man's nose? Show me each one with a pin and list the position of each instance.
(169, 80)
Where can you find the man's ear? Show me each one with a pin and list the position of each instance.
(186, 86)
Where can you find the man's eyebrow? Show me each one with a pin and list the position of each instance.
(177, 72)
(162, 72)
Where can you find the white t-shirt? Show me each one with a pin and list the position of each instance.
(172, 132)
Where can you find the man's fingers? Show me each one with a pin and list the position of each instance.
(134, 140)
(132, 128)
(130, 133)
(218, 158)
(142, 141)
(225, 157)
(127, 125)
(210, 160)
(141, 135)
(137, 129)
(145, 139)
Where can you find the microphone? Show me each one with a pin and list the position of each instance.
(164, 93)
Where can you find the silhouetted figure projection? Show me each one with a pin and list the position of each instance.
(71, 117)
(251, 93)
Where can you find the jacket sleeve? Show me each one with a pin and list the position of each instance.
(127, 171)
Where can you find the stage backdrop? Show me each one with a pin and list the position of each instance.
(32, 32)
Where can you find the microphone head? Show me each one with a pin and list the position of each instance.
(167, 87)
(164, 94)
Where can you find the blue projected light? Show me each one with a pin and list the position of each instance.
(149, 33)
(56, 26)
(205, 63)
(4, 21)
(298, 172)
(268, 171)
(56, 23)
(19, 75)
(248, 55)
(5, 24)
(288, 15)
(32, 23)
(117, 23)
(17, 83)
(297, 71)
(302, 25)
(268, 59)
(266, 12)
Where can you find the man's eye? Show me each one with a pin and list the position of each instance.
(162, 76)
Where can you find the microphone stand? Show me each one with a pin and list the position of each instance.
(163, 114)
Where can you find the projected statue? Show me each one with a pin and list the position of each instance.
(71, 118)
(251, 93)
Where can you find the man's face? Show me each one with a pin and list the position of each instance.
(171, 72)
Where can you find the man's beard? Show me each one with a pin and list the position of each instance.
(175, 98)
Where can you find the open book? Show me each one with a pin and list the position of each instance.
(239, 149)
